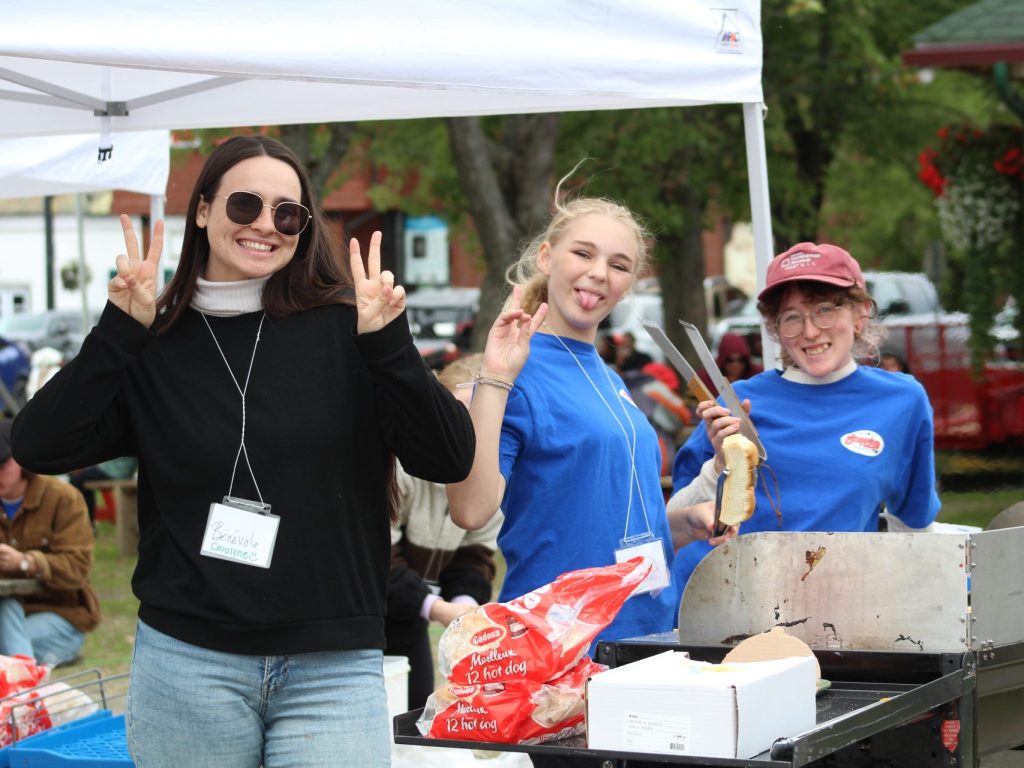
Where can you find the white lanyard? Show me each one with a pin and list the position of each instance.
(634, 480)
(241, 391)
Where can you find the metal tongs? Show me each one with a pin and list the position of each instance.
(696, 386)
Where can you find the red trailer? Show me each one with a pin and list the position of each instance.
(970, 413)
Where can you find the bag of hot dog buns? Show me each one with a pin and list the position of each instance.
(513, 712)
(516, 671)
(541, 634)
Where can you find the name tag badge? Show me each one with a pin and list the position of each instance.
(241, 531)
(653, 552)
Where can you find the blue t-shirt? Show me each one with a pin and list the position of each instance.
(11, 507)
(566, 462)
(839, 451)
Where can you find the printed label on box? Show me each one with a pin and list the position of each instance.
(646, 732)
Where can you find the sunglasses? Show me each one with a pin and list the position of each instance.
(244, 208)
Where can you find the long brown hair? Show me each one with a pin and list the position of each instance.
(314, 277)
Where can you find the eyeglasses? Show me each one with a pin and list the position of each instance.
(244, 208)
(735, 359)
(823, 316)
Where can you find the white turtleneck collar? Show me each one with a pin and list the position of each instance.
(794, 374)
(228, 298)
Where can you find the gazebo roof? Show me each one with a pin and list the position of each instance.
(982, 34)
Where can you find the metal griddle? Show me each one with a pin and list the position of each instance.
(920, 634)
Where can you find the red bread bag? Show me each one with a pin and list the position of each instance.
(541, 634)
(513, 712)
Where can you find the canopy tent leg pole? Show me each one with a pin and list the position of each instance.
(83, 287)
(760, 210)
(156, 213)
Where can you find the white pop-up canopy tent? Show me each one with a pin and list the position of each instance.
(189, 65)
(125, 65)
(35, 166)
(57, 165)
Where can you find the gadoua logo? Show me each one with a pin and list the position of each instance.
(800, 260)
(864, 441)
(489, 635)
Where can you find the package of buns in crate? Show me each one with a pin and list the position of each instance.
(541, 634)
(512, 712)
(20, 673)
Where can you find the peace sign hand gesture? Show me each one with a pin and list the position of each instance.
(378, 299)
(508, 341)
(133, 288)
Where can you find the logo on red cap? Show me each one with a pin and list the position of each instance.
(799, 260)
(807, 261)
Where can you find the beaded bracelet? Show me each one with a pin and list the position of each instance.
(507, 386)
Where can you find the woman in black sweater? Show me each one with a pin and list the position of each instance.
(266, 394)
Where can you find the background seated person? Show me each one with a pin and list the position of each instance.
(438, 570)
(45, 535)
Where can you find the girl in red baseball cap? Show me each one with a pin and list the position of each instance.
(844, 439)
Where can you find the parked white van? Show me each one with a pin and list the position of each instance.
(721, 298)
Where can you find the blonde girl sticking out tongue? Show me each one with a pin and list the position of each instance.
(571, 461)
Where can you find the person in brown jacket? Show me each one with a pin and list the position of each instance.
(45, 535)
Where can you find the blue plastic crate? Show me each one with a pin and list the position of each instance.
(97, 742)
(5, 752)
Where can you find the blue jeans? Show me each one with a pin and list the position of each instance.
(48, 638)
(207, 709)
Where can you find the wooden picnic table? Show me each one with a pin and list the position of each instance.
(126, 512)
(9, 587)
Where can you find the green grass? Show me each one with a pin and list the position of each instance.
(109, 646)
(976, 486)
(977, 507)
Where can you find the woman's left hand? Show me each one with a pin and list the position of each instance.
(444, 613)
(696, 523)
(378, 299)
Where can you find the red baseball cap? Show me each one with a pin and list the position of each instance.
(807, 261)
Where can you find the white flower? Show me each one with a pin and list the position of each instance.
(977, 208)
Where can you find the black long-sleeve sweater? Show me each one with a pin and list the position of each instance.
(324, 407)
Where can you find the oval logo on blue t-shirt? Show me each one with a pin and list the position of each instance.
(866, 442)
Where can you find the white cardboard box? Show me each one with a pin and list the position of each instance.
(668, 704)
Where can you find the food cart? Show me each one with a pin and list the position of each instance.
(921, 636)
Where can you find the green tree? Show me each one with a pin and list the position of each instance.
(498, 170)
(834, 83)
(876, 204)
(320, 147)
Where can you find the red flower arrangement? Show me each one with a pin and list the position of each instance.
(1011, 163)
(966, 149)
(928, 173)
(976, 177)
